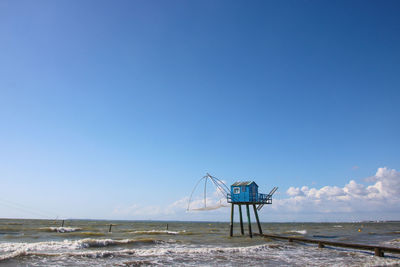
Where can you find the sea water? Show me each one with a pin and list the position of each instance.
(141, 243)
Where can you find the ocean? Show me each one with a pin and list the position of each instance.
(141, 243)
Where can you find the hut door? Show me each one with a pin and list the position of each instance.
(252, 193)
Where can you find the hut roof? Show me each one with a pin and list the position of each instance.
(243, 183)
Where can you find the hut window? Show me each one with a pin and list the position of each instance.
(236, 190)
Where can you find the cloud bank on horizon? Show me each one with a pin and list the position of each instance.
(382, 195)
(376, 199)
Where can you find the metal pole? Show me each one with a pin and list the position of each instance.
(62, 225)
(248, 218)
(109, 229)
(258, 220)
(241, 219)
(231, 231)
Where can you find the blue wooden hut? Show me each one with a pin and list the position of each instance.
(244, 192)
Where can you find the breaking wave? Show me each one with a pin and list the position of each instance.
(61, 229)
(53, 247)
(301, 232)
(158, 232)
(166, 254)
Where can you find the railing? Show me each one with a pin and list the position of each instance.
(261, 198)
(265, 198)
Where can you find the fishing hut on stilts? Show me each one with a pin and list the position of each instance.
(246, 193)
(240, 193)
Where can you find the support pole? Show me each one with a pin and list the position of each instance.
(167, 226)
(62, 225)
(379, 252)
(241, 219)
(248, 219)
(231, 231)
(258, 220)
(109, 229)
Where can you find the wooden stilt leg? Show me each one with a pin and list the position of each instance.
(258, 220)
(241, 219)
(231, 231)
(248, 219)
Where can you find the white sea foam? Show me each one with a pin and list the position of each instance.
(338, 226)
(155, 232)
(71, 248)
(11, 250)
(302, 232)
(62, 229)
(271, 254)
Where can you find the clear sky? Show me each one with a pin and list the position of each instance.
(114, 109)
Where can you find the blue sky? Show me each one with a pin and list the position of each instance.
(108, 106)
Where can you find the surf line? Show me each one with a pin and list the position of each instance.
(379, 250)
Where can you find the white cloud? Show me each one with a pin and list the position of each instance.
(294, 192)
(383, 195)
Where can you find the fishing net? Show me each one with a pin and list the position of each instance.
(204, 202)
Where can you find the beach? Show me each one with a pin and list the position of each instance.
(136, 243)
